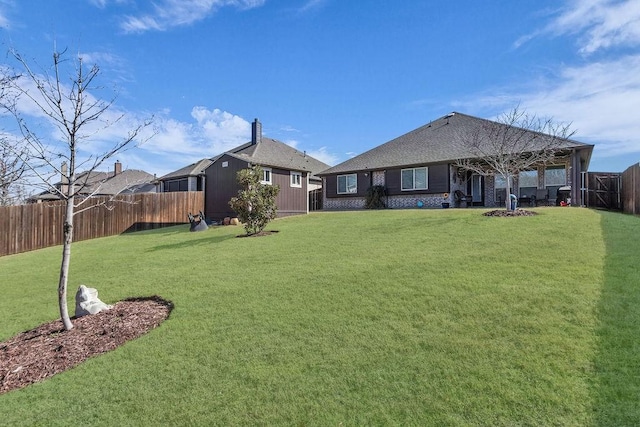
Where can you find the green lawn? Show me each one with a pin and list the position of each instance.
(418, 317)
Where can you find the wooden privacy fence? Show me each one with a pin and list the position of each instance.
(35, 226)
(631, 190)
(603, 190)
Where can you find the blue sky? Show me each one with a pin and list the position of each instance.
(336, 78)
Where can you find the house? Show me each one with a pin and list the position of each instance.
(96, 183)
(188, 178)
(419, 169)
(294, 171)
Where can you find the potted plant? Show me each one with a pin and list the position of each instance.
(445, 203)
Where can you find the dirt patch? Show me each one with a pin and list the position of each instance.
(506, 213)
(40, 353)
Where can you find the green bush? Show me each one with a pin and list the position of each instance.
(256, 203)
(375, 197)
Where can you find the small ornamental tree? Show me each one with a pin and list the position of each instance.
(72, 107)
(256, 202)
(515, 142)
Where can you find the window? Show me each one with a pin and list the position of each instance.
(266, 176)
(348, 184)
(414, 179)
(500, 181)
(555, 175)
(225, 164)
(528, 183)
(554, 178)
(296, 179)
(176, 185)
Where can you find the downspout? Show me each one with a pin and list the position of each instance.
(204, 192)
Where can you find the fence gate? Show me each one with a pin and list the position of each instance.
(603, 190)
(315, 200)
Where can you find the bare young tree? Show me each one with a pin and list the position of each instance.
(77, 117)
(515, 142)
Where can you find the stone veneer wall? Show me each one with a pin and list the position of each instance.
(411, 201)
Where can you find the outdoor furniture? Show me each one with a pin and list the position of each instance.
(529, 200)
(501, 196)
(542, 196)
(461, 197)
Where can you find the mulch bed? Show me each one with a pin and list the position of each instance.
(506, 213)
(40, 353)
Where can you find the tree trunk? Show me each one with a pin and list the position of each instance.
(64, 267)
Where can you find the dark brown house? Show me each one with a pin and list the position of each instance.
(294, 171)
(419, 169)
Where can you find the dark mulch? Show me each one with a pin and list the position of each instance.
(40, 353)
(506, 213)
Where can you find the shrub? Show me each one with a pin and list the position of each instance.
(374, 197)
(256, 202)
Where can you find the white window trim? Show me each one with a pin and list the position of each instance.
(292, 182)
(346, 192)
(264, 181)
(426, 170)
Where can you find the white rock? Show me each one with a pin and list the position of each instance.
(87, 302)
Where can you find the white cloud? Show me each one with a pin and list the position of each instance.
(173, 13)
(221, 130)
(324, 155)
(292, 143)
(599, 24)
(600, 100)
(599, 97)
(311, 5)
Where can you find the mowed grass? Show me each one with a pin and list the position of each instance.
(417, 317)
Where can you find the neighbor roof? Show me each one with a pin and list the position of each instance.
(106, 183)
(437, 141)
(194, 169)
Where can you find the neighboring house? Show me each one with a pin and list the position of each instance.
(419, 169)
(189, 178)
(294, 171)
(96, 183)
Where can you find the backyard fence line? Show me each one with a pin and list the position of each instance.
(35, 226)
(631, 190)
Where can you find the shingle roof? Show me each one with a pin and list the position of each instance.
(273, 153)
(194, 169)
(105, 183)
(438, 141)
(127, 181)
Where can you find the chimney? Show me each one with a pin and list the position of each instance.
(64, 180)
(117, 168)
(63, 173)
(256, 132)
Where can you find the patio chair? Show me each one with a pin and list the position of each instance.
(501, 196)
(461, 197)
(542, 197)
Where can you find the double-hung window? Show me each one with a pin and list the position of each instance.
(296, 179)
(348, 184)
(266, 176)
(414, 179)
